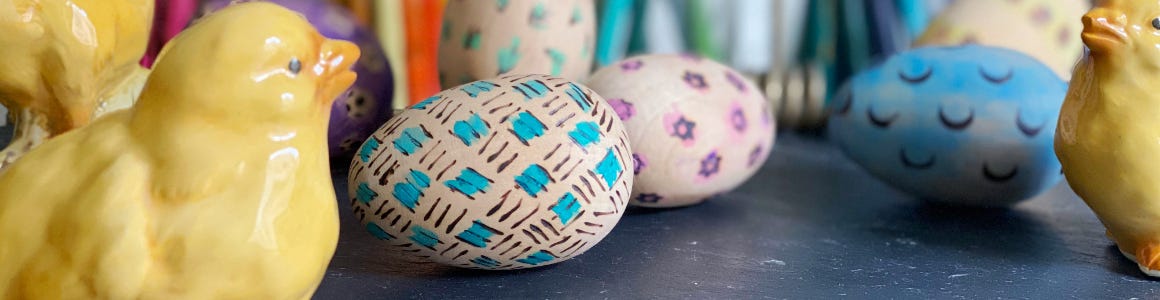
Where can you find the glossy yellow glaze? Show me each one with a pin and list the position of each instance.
(63, 58)
(215, 185)
(1108, 137)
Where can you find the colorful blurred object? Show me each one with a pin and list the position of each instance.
(169, 18)
(1045, 29)
(752, 48)
(614, 30)
(391, 30)
(422, 19)
(363, 10)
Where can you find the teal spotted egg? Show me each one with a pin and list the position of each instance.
(483, 39)
(513, 172)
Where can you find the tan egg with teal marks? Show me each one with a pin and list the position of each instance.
(512, 172)
(483, 39)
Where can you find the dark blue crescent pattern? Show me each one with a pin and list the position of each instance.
(968, 125)
(516, 172)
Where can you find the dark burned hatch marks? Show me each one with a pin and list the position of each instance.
(507, 170)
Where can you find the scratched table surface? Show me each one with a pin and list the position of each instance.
(810, 224)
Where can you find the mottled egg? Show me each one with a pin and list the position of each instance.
(698, 128)
(1045, 29)
(367, 105)
(514, 172)
(484, 39)
(968, 125)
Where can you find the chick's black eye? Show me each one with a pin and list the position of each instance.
(295, 66)
(1156, 23)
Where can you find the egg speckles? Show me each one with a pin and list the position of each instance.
(514, 172)
(483, 39)
(698, 128)
(968, 125)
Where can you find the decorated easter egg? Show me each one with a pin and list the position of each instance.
(368, 103)
(968, 125)
(514, 172)
(483, 39)
(1045, 29)
(698, 128)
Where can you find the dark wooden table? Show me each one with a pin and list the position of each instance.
(811, 224)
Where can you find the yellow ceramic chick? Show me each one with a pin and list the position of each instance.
(215, 185)
(1109, 128)
(66, 61)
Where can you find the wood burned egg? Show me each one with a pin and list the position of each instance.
(514, 172)
(484, 39)
(698, 128)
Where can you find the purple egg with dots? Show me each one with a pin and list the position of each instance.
(367, 105)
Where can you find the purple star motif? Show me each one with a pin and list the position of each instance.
(735, 81)
(710, 165)
(638, 164)
(624, 109)
(631, 65)
(695, 80)
(683, 129)
(648, 198)
(738, 120)
(754, 155)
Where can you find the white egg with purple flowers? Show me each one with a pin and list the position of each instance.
(698, 128)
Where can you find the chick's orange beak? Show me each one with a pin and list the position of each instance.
(1103, 29)
(334, 65)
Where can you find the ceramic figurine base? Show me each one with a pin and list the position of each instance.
(967, 125)
(215, 185)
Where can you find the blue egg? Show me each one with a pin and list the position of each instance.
(967, 125)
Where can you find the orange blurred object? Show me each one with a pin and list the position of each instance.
(363, 10)
(423, 19)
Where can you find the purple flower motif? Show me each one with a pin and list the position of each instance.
(638, 163)
(737, 118)
(648, 198)
(676, 125)
(695, 80)
(736, 81)
(755, 155)
(710, 165)
(683, 129)
(631, 65)
(624, 109)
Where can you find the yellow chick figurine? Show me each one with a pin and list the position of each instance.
(66, 62)
(1108, 138)
(215, 185)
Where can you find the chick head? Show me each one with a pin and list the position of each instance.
(1124, 28)
(251, 62)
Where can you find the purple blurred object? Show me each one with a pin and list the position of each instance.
(368, 104)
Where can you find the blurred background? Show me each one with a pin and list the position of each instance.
(799, 51)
